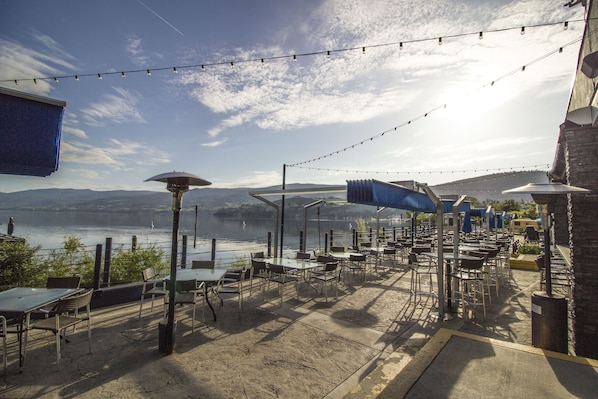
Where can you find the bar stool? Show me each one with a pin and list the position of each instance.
(471, 292)
(421, 271)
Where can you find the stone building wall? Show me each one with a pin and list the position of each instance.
(581, 155)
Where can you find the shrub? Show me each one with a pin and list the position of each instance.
(127, 265)
(19, 266)
(73, 259)
(529, 249)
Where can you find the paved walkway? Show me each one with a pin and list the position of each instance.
(350, 347)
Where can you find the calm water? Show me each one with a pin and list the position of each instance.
(233, 237)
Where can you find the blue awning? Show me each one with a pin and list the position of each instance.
(30, 131)
(378, 193)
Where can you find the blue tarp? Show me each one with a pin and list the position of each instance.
(30, 130)
(378, 193)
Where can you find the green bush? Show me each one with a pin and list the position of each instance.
(73, 259)
(19, 266)
(127, 265)
(529, 249)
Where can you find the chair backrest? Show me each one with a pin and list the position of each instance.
(148, 274)
(472, 264)
(258, 265)
(186, 285)
(324, 259)
(413, 258)
(63, 282)
(390, 251)
(357, 257)
(337, 249)
(330, 266)
(257, 255)
(303, 255)
(73, 302)
(277, 269)
(202, 264)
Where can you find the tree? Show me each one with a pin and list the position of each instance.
(19, 265)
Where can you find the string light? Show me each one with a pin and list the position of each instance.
(124, 75)
(34, 80)
(148, 72)
(432, 110)
(232, 64)
(16, 82)
(505, 170)
(523, 68)
(328, 53)
(55, 80)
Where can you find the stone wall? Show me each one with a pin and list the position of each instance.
(581, 155)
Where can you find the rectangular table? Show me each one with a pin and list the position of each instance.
(206, 276)
(303, 265)
(19, 302)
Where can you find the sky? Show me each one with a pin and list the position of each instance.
(335, 98)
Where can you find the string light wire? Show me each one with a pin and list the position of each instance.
(328, 53)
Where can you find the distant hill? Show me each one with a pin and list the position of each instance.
(482, 188)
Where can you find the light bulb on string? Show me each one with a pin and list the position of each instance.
(328, 53)
(99, 76)
(76, 78)
(566, 25)
(34, 80)
(16, 82)
(440, 41)
(363, 50)
(294, 57)
(123, 75)
(148, 72)
(401, 46)
(523, 30)
(174, 70)
(481, 36)
(56, 80)
(232, 65)
(203, 68)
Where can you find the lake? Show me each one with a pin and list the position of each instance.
(233, 237)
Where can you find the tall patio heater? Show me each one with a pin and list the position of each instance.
(549, 311)
(177, 183)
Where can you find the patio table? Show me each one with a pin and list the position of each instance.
(19, 302)
(207, 276)
(302, 265)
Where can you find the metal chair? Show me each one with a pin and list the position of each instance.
(357, 263)
(471, 292)
(328, 276)
(420, 271)
(232, 284)
(258, 270)
(148, 275)
(280, 276)
(62, 320)
(188, 292)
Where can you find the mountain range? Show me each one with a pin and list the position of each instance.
(483, 188)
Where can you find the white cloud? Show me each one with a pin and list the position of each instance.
(114, 108)
(214, 143)
(353, 87)
(134, 49)
(258, 179)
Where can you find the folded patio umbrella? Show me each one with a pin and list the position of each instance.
(30, 131)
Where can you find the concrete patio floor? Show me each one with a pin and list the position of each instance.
(350, 347)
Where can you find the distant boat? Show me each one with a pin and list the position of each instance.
(152, 225)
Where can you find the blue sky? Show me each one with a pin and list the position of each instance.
(329, 118)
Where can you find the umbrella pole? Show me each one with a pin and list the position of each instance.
(177, 197)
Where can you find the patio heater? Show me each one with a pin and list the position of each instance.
(549, 311)
(177, 183)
